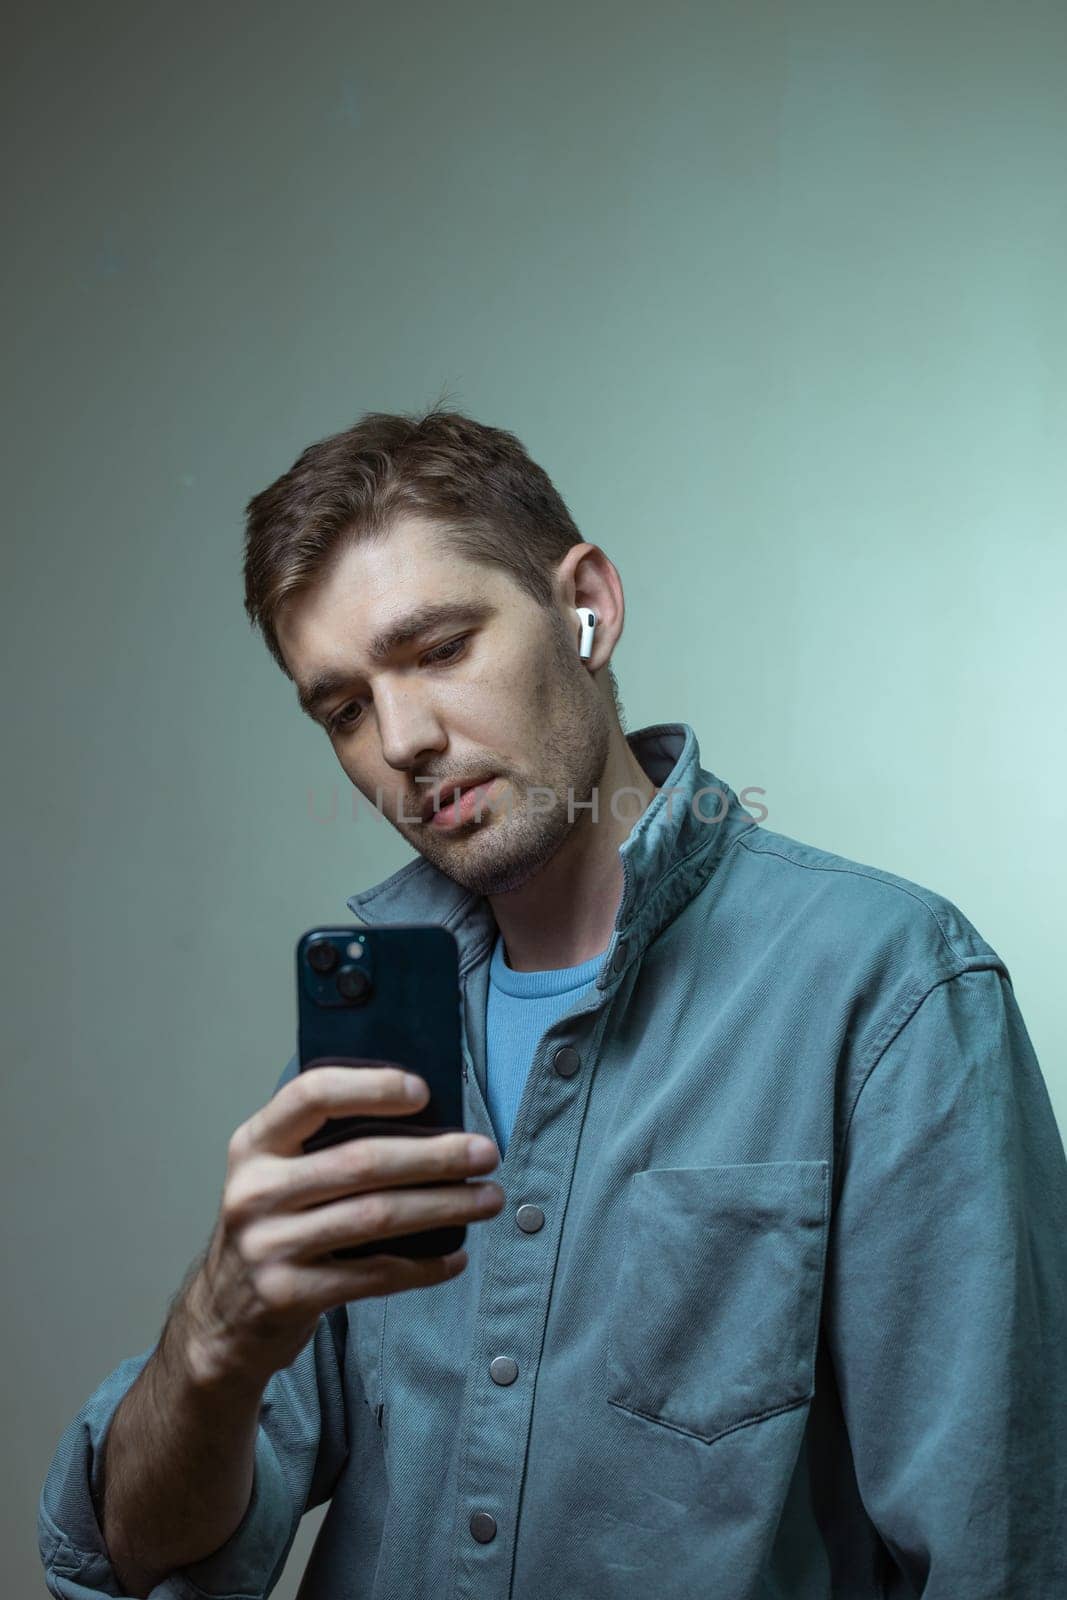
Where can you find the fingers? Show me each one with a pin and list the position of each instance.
(380, 1274)
(381, 1162)
(284, 1208)
(300, 1106)
(262, 1184)
(304, 1236)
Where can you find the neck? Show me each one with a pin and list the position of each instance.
(566, 913)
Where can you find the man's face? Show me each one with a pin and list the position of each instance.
(495, 690)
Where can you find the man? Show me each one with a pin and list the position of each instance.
(769, 1295)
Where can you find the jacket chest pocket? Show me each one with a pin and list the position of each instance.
(715, 1318)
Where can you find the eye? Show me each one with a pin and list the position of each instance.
(340, 722)
(441, 655)
(454, 647)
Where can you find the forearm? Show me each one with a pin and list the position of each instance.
(178, 1461)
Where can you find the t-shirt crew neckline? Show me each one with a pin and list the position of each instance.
(552, 981)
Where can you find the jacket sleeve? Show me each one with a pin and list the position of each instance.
(301, 1446)
(946, 1300)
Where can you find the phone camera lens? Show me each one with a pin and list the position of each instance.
(353, 983)
(321, 955)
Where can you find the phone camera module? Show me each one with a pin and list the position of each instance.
(321, 956)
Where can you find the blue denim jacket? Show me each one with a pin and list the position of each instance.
(777, 1305)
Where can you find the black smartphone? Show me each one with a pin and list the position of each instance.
(367, 994)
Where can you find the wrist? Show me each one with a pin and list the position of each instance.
(208, 1361)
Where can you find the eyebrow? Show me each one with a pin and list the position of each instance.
(424, 619)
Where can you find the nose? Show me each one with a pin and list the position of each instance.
(408, 726)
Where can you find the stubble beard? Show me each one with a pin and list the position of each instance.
(511, 844)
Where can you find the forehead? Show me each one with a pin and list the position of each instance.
(411, 551)
(379, 574)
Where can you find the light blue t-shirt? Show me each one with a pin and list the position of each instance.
(519, 1007)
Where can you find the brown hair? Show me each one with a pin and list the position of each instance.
(495, 505)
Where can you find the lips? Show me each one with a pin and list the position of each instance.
(442, 792)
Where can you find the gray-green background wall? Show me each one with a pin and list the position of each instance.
(774, 292)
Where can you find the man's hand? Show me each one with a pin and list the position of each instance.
(263, 1284)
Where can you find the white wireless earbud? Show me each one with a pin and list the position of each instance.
(587, 618)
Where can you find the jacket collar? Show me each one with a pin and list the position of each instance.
(672, 849)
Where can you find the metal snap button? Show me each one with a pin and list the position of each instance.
(483, 1527)
(566, 1061)
(503, 1370)
(530, 1218)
